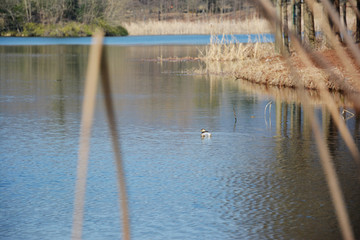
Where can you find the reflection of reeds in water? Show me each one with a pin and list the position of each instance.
(291, 95)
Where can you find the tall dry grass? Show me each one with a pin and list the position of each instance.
(212, 26)
(222, 26)
(228, 49)
(258, 63)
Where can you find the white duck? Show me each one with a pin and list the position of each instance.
(205, 134)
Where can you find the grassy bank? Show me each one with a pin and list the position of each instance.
(68, 29)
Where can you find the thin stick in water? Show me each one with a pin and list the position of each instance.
(234, 114)
(268, 105)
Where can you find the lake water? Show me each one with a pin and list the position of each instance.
(136, 40)
(258, 178)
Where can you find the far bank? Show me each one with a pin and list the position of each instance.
(66, 29)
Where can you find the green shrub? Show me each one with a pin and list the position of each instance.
(33, 30)
(10, 34)
(87, 29)
(111, 30)
(68, 29)
(52, 30)
(71, 29)
(122, 31)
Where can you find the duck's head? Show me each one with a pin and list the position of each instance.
(203, 130)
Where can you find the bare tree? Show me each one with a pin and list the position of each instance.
(297, 16)
(284, 6)
(344, 12)
(27, 8)
(309, 28)
(334, 27)
(278, 30)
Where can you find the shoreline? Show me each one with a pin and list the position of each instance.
(212, 26)
(275, 72)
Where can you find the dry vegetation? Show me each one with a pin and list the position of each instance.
(258, 63)
(249, 23)
(212, 26)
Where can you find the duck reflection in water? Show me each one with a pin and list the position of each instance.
(205, 134)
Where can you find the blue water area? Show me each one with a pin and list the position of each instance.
(137, 40)
(258, 177)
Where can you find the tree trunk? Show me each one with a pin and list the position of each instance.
(297, 16)
(344, 13)
(71, 10)
(337, 7)
(278, 30)
(26, 7)
(357, 35)
(161, 10)
(285, 26)
(335, 29)
(309, 29)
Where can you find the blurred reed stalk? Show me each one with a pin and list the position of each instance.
(97, 64)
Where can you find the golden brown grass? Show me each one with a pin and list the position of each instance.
(220, 26)
(212, 26)
(258, 63)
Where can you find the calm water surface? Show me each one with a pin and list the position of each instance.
(135, 40)
(257, 179)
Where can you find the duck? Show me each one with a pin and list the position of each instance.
(205, 134)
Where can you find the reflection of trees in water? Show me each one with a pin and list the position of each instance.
(289, 196)
(51, 74)
(279, 189)
(294, 192)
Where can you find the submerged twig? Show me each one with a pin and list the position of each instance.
(268, 105)
(234, 114)
(344, 114)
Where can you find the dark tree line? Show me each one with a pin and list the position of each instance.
(14, 14)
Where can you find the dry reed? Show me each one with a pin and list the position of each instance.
(212, 26)
(258, 63)
(97, 64)
(85, 133)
